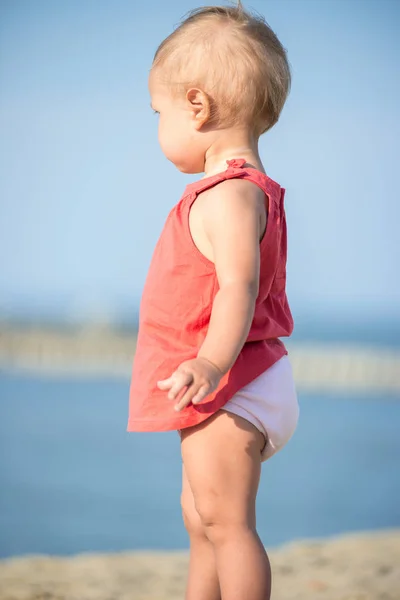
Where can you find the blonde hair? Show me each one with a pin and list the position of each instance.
(235, 58)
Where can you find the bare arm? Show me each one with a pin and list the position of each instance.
(232, 225)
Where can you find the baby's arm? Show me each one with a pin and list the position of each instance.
(232, 225)
(231, 214)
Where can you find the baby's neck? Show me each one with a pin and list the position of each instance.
(229, 144)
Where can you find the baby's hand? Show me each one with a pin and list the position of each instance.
(199, 376)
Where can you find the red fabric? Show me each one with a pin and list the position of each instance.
(176, 307)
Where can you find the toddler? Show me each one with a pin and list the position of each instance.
(209, 362)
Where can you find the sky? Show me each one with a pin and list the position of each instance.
(85, 189)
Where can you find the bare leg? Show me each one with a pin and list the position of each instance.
(203, 579)
(222, 459)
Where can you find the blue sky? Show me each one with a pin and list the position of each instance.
(84, 188)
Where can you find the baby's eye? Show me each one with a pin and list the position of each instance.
(156, 112)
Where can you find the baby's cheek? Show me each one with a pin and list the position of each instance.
(169, 145)
(161, 134)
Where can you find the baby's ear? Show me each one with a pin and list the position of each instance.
(199, 104)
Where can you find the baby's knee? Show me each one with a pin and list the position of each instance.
(219, 521)
(191, 518)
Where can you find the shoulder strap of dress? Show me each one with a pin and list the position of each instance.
(236, 169)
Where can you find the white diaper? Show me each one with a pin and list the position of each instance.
(270, 404)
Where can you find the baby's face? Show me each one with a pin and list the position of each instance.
(179, 138)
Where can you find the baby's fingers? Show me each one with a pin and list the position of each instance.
(201, 394)
(194, 394)
(186, 398)
(181, 380)
(166, 384)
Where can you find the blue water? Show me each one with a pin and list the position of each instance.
(73, 480)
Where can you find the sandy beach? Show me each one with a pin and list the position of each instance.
(351, 567)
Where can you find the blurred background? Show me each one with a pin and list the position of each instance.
(84, 194)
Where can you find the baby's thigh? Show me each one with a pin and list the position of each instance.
(222, 463)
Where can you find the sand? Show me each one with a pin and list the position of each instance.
(352, 567)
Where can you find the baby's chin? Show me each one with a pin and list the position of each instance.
(189, 168)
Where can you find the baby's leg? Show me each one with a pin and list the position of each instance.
(203, 579)
(222, 462)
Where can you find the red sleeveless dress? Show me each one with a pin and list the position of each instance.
(176, 308)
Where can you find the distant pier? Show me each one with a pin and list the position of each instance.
(97, 352)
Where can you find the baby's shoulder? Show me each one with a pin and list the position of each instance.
(231, 195)
(228, 208)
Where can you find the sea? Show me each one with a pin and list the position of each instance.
(73, 480)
